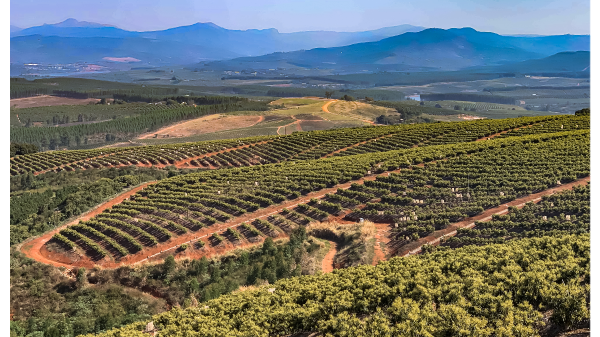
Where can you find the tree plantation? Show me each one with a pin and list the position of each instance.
(474, 228)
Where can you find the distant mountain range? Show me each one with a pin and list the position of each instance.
(74, 41)
(399, 48)
(428, 50)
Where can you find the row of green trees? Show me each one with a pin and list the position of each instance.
(51, 138)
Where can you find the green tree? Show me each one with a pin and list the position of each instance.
(81, 280)
(269, 247)
(193, 286)
(169, 265)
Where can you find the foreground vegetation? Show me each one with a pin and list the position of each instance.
(51, 304)
(495, 290)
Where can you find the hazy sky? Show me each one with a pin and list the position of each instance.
(500, 16)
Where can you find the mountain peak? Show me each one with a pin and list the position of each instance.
(70, 23)
(211, 24)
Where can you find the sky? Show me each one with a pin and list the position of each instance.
(545, 17)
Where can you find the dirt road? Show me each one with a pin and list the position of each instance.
(381, 239)
(284, 127)
(32, 247)
(327, 264)
(434, 238)
(326, 105)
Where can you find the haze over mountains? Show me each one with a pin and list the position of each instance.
(427, 50)
(399, 48)
(73, 41)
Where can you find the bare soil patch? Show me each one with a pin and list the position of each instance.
(206, 124)
(469, 117)
(47, 100)
(308, 117)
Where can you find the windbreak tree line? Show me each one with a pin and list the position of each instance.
(51, 138)
(81, 88)
(469, 97)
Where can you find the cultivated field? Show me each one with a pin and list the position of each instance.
(267, 208)
(215, 207)
(46, 100)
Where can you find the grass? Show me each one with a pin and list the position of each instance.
(293, 101)
(365, 111)
(266, 129)
(356, 241)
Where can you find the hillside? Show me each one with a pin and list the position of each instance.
(577, 61)
(418, 296)
(236, 218)
(430, 49)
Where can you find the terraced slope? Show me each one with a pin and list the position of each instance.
(275, 149)
(458, 181)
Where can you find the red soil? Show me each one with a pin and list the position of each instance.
(35, 248)
(380, 237)
(327, 264)
(47, 100)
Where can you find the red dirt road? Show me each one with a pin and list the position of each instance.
(327, 264)
(434, 238)
(32, 248)
(380, 238)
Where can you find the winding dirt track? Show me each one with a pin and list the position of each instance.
(434, 238)
(327, 264)
(326, 106)
(32, 247)
(296, 122)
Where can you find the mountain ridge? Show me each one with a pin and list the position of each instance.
(432, 48)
